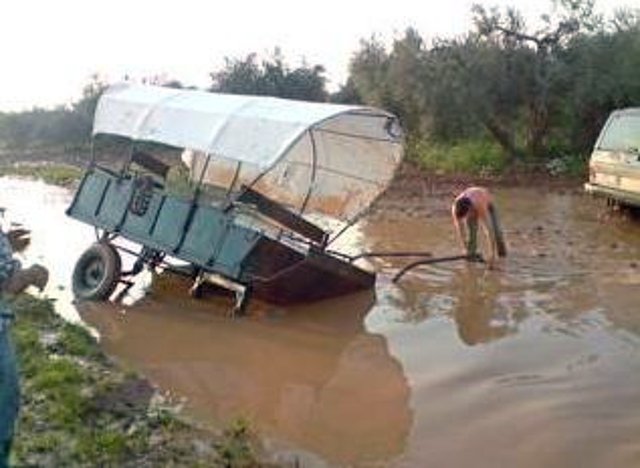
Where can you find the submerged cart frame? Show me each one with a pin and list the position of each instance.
(273, 164)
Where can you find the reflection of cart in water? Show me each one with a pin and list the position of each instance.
(309, 374)
(259, 166)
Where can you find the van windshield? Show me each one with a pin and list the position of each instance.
(622, 134)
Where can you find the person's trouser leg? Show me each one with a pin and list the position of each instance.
(9, 396)
(498, 237)
(472, 240)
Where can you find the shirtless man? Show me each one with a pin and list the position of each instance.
(472, 207)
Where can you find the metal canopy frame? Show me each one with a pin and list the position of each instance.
(395, 138)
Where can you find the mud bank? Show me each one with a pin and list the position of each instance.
(81, 408)
(415, 192)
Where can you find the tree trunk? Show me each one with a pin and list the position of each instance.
(504, 138)
(538, 131)
(538, 125)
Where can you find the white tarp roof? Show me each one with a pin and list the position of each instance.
(330, 158)
(252, 129)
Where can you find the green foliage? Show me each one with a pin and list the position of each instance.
(600, 74)
(40, 126)
(480, 157)
(532, 90)
(56, 174)
(347, 94)
(570, 165)
(103, 447)
(65, 125)
(78, 342)
(368, 71)
(234, 448)
(270, 77)
(61, 382)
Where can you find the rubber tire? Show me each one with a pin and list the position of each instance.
(97, 272)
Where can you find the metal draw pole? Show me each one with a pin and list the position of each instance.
(430, 261)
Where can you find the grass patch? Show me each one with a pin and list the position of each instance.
(233, 447)
(56, 174)
(75, 341)
(574, 166)
(80, 409)
(476, 157)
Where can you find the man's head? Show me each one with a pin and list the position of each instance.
(461, 207)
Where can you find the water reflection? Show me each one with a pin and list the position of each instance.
(476, 311)
(479, 303)
(312, 375)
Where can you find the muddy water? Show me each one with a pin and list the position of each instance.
(56, 240)
(535, 364)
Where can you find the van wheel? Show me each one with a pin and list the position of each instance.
(97, 272)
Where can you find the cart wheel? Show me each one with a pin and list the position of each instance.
(97, 272)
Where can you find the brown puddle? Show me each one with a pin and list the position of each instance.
(312, 376)
(534, 365)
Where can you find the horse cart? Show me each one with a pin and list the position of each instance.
(257, 175)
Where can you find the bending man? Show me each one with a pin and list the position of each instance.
(472, 207)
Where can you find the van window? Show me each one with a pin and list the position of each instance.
(622, 134)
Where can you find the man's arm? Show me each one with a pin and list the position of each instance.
(460, 231)
(13, 278)
(35, 275)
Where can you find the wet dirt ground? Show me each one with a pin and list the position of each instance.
(534, 364)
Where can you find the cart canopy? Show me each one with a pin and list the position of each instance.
(312, 157)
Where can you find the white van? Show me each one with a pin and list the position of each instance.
(614, 167)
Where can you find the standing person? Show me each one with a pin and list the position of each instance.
(13, 280)
(472, 207)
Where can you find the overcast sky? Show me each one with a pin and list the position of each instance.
(49, 49)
